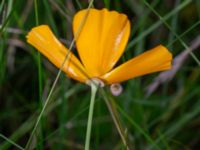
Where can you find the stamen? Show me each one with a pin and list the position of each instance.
(96, 81)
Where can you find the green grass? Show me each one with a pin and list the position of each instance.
(39, 104)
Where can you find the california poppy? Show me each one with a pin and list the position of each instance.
(100, 44)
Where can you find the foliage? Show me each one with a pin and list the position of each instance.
(167, 119)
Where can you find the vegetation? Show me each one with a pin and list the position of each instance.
(157, 111)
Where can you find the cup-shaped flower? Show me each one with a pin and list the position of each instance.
(100, 43)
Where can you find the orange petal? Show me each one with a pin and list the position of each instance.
(102, 39)
(156, 59)
(43, 39)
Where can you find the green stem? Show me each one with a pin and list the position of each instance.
(107, 3)
(115, 116)
(57, 77)
(39, 78)
(11, 142)
(90, 115)
(36, 12)
(173, 32)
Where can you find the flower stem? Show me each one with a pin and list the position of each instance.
(94, 88)
(115, 116)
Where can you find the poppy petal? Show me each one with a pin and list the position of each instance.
(102, 39)
(43, 40)
(156, 59)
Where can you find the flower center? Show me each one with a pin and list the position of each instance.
(95, 81)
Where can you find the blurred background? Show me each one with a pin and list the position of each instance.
(157, 111)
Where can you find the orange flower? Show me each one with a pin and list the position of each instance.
(100, 44)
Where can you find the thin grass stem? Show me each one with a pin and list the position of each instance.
(79, 4)
(170, 28)
(184, 33)
(157, 24)
(58, 75)
(90, 116)
(112, 109)
(1, 5)
(39, 74)
(154, 145)
(11, 142)
(174, 23)
(107, 3)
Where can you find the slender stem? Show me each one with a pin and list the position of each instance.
(107, 3)
(11, 142)
(116, 120)
(36, 12)
(174, 33)
(39, 77)
(115, 116)
(90, 116)
(57, 77)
